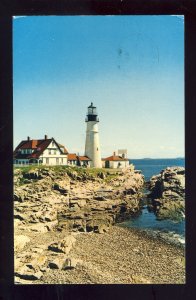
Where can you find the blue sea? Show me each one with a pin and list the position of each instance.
(150, 167)
(168, 230)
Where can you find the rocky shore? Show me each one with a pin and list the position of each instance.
(69, 200)
(65, 230)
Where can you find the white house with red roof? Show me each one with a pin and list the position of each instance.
(115, 162)
(43, 151)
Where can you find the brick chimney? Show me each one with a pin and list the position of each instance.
(114, 153)
(46, 137)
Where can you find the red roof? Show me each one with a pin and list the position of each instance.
(72, 156)
(32, 144)
(37, 145)
(84, 158)
(41, 146)
(115, 158)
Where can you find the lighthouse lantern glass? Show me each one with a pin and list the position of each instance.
(92, 110)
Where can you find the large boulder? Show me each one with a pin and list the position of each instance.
(28, 274)
(20, 242)
(170, 183)
(63, 246)
(168, 192)
(70, 263)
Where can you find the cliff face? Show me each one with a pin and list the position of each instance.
(74, 199)
(168, 192)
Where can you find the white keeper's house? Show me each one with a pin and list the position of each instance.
(115, 162)
(44, 151)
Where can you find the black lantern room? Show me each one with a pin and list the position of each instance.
(92, 113)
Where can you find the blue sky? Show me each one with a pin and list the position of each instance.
(131, 67)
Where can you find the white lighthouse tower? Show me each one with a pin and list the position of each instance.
(92, 146)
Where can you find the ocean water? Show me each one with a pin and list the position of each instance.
(168, 230)
(150, 167)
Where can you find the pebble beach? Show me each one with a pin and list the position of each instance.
(120, 256)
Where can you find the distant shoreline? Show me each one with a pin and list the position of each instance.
(180, 158)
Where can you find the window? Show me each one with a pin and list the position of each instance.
(25, 151)
(49, 152)
(47, 160)
(57, 160)
(55, 152)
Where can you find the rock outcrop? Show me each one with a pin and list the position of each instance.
(74, 199)
(168, 192)
(66, 200)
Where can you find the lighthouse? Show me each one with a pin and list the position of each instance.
(92, 146)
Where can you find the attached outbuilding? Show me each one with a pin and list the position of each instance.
(84, 161)
(77, 160)
(72, 159)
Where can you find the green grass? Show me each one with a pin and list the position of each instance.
(29, 168)
(81, 171)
